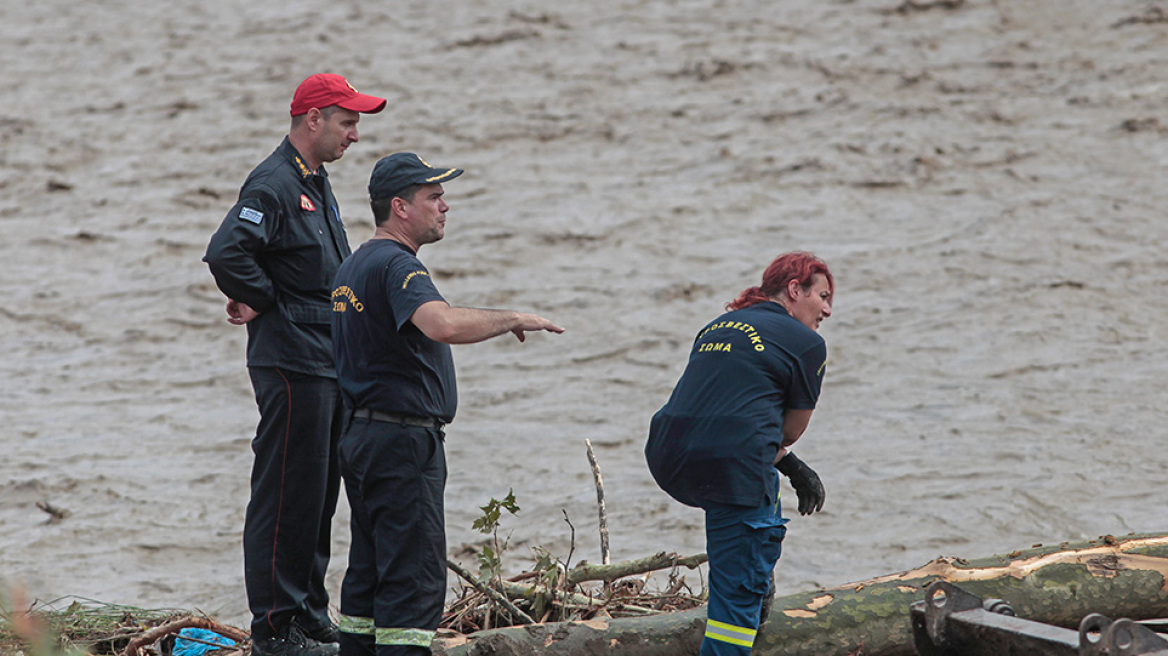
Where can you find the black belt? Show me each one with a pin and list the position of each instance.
(394, 418)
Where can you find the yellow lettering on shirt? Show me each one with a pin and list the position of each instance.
(755, 338)
(411, 277)
(347, 299)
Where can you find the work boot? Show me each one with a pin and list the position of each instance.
(293, 642)
(323, 633)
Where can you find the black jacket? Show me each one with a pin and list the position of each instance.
(277, 250)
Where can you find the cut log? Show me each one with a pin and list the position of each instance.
(1126, 577)
(1118, 577)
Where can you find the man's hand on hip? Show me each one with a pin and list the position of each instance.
(239, 313)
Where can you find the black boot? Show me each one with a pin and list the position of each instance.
(293, 642)
(323, 633)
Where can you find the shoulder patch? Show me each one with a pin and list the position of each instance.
(249, 214)
(412, 275)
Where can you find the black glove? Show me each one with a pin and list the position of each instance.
(805, 481)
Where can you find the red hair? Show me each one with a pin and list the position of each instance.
(799, 266)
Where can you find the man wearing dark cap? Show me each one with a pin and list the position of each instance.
(274, 256)
(392, 333)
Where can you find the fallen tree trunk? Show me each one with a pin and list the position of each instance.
(1124, 577)
(1058, 585)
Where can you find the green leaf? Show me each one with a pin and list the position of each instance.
(493, 511)
(509, 502)
(489, 563)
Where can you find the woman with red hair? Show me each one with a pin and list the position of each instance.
(746, 395)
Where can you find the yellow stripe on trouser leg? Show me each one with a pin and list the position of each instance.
(411, 637)
(735, 635)
(357, 625)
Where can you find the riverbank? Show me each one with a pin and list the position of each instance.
(983, 177)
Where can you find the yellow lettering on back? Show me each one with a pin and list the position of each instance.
(345, 293)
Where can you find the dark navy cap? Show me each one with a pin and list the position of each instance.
(400, 170)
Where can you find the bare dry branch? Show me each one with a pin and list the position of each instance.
(588, 572)
(604, 552)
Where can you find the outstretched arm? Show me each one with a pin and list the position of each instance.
(458, 325)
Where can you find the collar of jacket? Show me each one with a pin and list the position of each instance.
(298, 162)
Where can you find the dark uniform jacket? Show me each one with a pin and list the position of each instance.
(277, 250)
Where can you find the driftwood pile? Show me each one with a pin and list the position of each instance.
(555, 593)
(538, 597)
(88, 627)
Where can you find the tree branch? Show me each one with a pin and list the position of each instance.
(491, 593)
(604, 553)
(588, 572)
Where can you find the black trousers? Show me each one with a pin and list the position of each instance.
(395, 585)
(295, 483)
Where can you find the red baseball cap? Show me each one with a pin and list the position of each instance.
(326, 89)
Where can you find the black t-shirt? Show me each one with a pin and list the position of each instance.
(384, 362)
(717, 437)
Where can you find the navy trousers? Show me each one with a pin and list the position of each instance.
(395, 585)
(743, 545)
(295, 484)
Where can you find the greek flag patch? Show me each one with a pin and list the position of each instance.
(248, 214)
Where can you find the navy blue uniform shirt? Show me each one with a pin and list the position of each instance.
(277, 250)
(384, 362)
(717, 437)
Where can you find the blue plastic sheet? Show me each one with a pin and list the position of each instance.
(183, 647)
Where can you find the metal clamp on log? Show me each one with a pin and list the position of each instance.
(951, 621)
(1099, 636)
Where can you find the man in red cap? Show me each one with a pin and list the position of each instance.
(274, 256)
